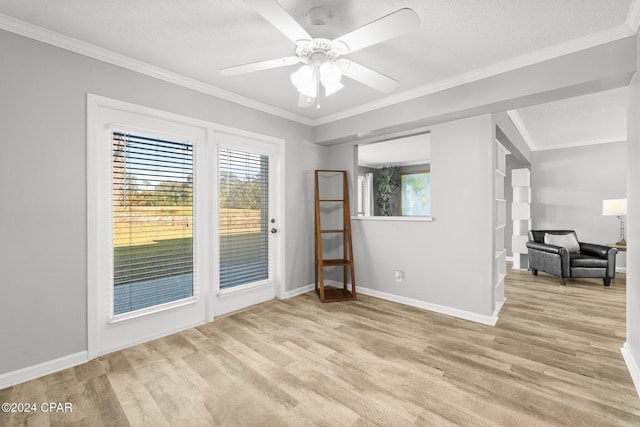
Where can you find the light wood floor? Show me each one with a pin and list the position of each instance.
(552, 359)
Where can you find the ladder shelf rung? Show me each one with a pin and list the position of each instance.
(334, 231)
(335, 261)
(336, 294)
(331, 200)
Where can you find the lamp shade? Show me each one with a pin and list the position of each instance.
(615, 207)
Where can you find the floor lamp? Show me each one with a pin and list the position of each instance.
(617, 207)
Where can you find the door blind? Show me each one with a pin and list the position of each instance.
(244, 201)
(152, 221)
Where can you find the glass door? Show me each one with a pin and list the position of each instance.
(247, 223)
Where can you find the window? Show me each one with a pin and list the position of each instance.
(152, 221)
(365, 194)
(400, 177)
(244, 228)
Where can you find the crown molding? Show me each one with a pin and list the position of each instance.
(53, 38)
(524, 132)
(572, 46)
(633, 18)
(580, 144)
(59, 40)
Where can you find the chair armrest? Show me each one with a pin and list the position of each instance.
(600, 251)
(603, 252)
(544, 247)
(549, 258)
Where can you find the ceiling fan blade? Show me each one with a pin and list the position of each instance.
(393, 25)
(258, 66)
(367, 76)
(279, 18)
(304, 101)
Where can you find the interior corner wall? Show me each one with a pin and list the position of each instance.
(447, 262)
(632, 344)
(43, 212)
(568, 187)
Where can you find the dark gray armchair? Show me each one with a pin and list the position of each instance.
(591, 261)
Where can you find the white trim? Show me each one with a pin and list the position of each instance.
(580, 144)
(239, 301)
(621, 270)
(633, 18)
(406, 163)
(153, 309)
(508, 258)
(299, 291)
(449, 311)
(519, 124)
(394, 218)
(499, 305)
(243, 288)
(92, 51)
(596, 39)
(36, 371)
(632, 366)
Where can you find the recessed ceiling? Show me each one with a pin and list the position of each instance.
(196, 38)
(590, 119)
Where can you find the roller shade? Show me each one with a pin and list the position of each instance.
(152, 221)
(244, 200)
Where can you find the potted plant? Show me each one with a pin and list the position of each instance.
(386, 186)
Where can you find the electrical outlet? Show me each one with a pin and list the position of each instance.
(399, 275)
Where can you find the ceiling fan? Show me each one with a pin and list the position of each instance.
(322, 59)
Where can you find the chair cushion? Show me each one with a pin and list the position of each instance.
(586, 261)
(568, 241)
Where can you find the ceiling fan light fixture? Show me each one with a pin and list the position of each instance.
(330, 90)
(305, 79)
(330, 74)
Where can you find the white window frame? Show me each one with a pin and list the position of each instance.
(205, 212)
(365, 194)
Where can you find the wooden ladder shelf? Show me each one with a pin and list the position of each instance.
(331, 293)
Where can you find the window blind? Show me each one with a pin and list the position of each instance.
(152, 221)
(244, 201)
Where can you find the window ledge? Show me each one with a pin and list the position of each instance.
(393, 218)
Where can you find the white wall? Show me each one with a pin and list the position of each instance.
(447, 262)
(43, 277)
(632, 345)
(569, 185)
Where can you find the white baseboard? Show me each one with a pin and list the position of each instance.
(449, 311)
(632, 366)
(461, 314)
(509, 258)
(299, 291)
(31, 372)
(621, 270)
(499, 305)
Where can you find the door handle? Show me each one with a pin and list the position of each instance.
(274, 230)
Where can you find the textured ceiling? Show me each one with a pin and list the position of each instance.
(196, 38)
(589, 119)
